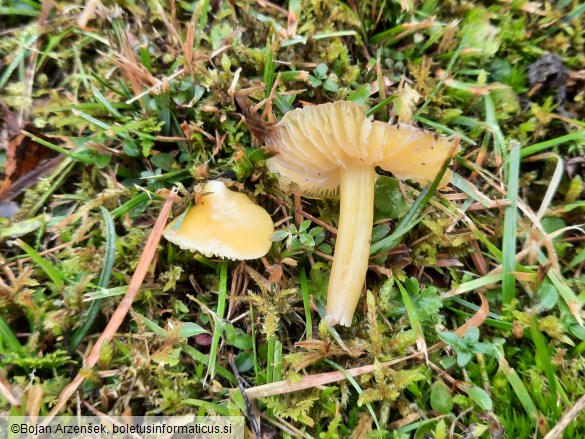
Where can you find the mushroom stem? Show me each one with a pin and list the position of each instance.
(352, 248)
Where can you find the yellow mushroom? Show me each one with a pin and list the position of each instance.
(334, 148)
(223, 223)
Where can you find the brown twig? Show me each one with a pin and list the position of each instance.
(123, 308)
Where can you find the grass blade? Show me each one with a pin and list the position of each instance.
(208, 407)
(277, 361)
(47, 266)
(491, 120)
(218, 327)
(510, 223)
(306, 303)
(268, 69)
(413, 318)
(357, 388)
(380, 105)
(104, 101)
(204, 359)
(546, 364)
(59, 175)
(270, 360)
(537, 147)
(104, 279)
(8, 338)
(444, 129)
(60, 150)
(474, 284)
(142, 197)
(517, 386)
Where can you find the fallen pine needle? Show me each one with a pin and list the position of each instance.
(310, 381)
(123, 308)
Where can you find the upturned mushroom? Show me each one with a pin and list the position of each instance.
(334, 148)
(223, 223)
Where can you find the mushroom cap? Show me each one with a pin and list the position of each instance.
(223, 223)
(314, 143)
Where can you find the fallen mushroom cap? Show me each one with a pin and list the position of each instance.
(330, 146)
(223, 223)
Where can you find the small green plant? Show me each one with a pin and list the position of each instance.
(319, 78)
(441, 398)
(466, 346)
(302, 238)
